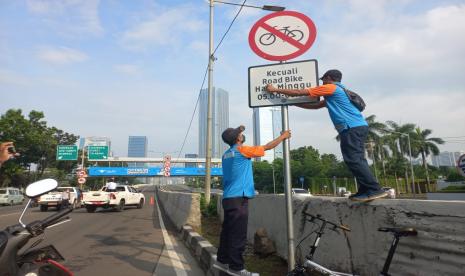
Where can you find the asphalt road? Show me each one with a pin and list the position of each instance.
(106, 242)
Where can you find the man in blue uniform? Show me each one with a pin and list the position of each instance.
(352, 128)
(238, 188)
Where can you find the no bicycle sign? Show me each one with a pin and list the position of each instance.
(282, 36)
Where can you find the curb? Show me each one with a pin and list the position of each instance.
(203, 251)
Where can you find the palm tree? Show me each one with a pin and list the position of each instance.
(398, 146)
(395, 131)
(375, 140)
(424, 146)
(375, 129)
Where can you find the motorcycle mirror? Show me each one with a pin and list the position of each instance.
(41, 187)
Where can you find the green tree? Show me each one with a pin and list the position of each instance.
(263, 176)
(36, 143)
(424, 146)
(398, 144)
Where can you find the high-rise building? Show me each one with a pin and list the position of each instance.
(220, 121)
(137, 146)
(446, 158)
(267, 125)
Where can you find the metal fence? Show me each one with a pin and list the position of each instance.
(331, 186)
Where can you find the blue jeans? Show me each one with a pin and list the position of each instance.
(353, 152)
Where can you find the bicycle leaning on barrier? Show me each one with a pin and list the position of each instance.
(267, 39)
(310, 265)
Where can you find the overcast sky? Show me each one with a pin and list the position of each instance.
(118, 68)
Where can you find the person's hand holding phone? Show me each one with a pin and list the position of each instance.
(7, 151)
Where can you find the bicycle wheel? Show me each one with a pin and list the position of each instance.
(296, 35)
(267, 39)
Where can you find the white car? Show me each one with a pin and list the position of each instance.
(300, 192)
(58, 199)
(124, 195)
(74, 196)
(11, 196)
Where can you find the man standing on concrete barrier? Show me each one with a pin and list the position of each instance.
(238, 188)
(350, 124)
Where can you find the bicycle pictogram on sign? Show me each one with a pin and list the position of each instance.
(282, 36)
(270, 38)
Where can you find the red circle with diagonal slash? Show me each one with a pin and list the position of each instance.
(302, 48)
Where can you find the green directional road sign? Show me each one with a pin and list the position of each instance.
(67, 152)
(97, 152)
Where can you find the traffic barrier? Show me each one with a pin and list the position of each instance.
(181, 208)
(437, 250)
(203, 251)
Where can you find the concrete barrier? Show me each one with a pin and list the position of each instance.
(439, 248)
(203, 251)
(445, 196)
(181, 208)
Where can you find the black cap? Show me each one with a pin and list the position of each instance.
(230, 135)
(334, 74)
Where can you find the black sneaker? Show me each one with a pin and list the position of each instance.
(359, 197)
(356, 194)
(369, 196)
(221, 265)
(377, 194)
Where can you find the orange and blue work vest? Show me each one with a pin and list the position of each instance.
(237, 170)
(341, 111)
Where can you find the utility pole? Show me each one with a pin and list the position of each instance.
(208, 155)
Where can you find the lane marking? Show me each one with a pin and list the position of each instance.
(175, 260)
(10, 214)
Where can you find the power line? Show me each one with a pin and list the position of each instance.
(193, 113)
(229, 28)
(205, 75)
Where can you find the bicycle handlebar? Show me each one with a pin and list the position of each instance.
(319, 217)
(55, 217)
(37, 227)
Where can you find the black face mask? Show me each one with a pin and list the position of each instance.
(243, 138)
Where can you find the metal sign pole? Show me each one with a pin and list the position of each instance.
(287, 191)
(267, 76)
(208, 146)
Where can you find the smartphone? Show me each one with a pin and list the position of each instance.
(11, 150)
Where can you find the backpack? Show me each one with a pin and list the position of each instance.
(355, 99)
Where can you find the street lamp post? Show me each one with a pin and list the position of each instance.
(410, 157)
(211, 60)
(274, 181)
(371, 143)
(411, 164)
(208, 155)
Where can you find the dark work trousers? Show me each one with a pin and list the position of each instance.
(234, 232)
(353, 152)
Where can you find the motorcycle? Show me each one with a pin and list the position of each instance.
(32, 261)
